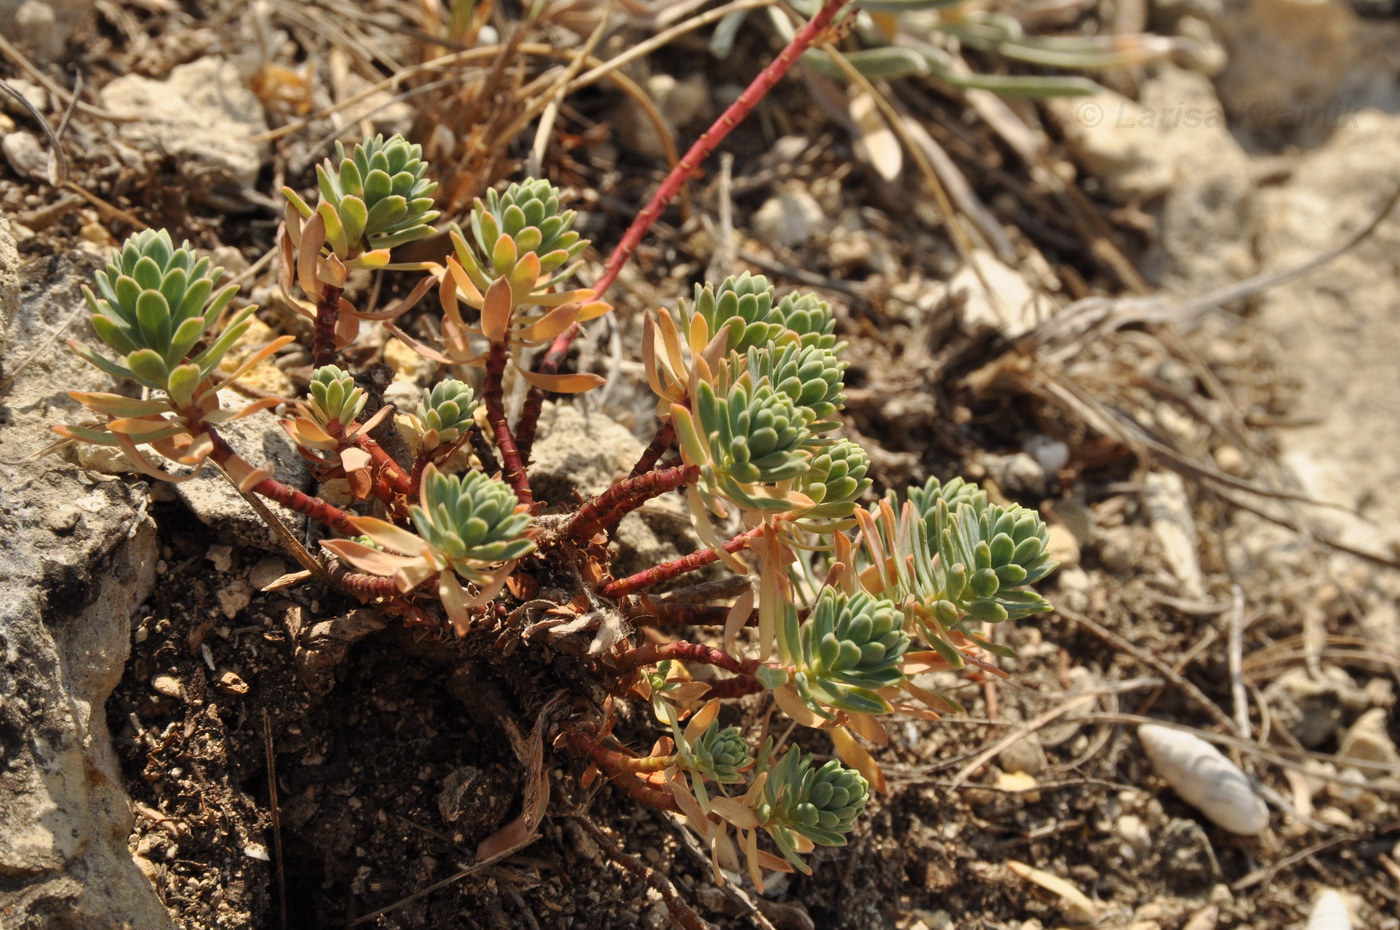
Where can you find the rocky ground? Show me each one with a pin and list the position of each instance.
(1218, 466)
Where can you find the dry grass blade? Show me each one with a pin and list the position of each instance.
(1153, 662)
(989, 752)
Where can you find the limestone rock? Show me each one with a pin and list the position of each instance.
(1336, 326)
(581, 454)
(68, 586)
(202, 114)
(217, 502)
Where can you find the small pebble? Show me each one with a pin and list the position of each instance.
(26, 155)
(64, 519)
(168, 685)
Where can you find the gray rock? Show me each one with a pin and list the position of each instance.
(77, 556)
(217, 503)
(25, 154)
(581, 454)
(202, 114)
(1337, 327)
(1174, 150)
(789, 219)
(1288, 60)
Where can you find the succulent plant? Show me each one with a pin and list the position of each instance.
(719, 754)
(447, 410)
(835, 480)
(375, 198)
(810, 375)
(809, 318)
(753, 435)
(472, 521)
(743, 307)
(998, 550)
(798, 799)
(849, 648)
(529, 214)
(155, 302)
(335, 398)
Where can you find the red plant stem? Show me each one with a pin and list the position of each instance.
(687, 166)
(496, 414)
(608, 508)
(366, 587)
(685, 652)
(737, 686)
(289, 497)
(323, 342)
(398, 480)
(712, 137)
(668, 570)
(662, 441)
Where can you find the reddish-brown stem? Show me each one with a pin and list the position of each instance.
(323, 342)
(668, 570)
(662, 441)
(366, 587)
(712, 137)
(661, 613)
(737, 686)
(670, 187)
(389, 471)
(289, 497)
(686, 652)
(608, 508)
(482, 450)
(492, 392)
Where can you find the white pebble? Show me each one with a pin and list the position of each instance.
(1205, 779)
(1329, 913)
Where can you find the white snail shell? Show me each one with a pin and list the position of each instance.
(1329, 913)
(1205, 779)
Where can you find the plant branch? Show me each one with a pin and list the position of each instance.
(737, 686)
(608, 508)
(287, 496)
(323, 350)
(668, 570)
(665, 436)
(390, 472)
(686, 652)
(493, 394)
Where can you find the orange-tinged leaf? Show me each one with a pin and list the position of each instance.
(551, 324)
(390, 536)
(701, 720)
(313, 236)
(853, 754)
(792, 705)
(454, 601)
(868, 727)
(575, 383)
(593, 309)
(495, 311)
(735, 812)
(367, 558)
(523, 277)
